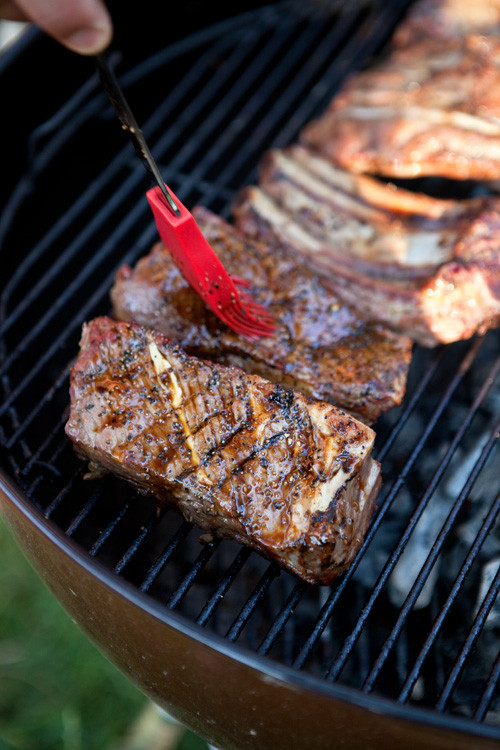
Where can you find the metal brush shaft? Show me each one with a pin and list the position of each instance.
(117, 98)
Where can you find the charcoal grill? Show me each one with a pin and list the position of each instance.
(403, 650)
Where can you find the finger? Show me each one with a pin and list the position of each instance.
(83, 26)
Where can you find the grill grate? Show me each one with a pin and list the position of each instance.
(243, 86)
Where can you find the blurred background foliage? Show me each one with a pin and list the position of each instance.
(57, 691)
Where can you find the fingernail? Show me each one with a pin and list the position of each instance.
(89, 41)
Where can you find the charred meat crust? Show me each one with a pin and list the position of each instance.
(237, 455)
(321, 347)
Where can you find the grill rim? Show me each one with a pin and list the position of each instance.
(424, 718)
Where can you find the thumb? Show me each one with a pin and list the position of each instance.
(83, 26)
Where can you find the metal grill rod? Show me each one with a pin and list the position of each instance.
(83, 514)
(368, 40)
(198, 565)
(281, 619)
(65, 491)
(488, 693)
(409, 405)
(248, 608)
(340, 661)
(384, 507)
(271, 90)
(51, 435)
(105, 534)
(452, 516)
(464, 570)
(167, 553)
(474, 632)
(223, 586)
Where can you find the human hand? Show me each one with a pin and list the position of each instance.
(83, 26)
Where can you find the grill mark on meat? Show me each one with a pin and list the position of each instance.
(224, 446)
(322, 347)
(276, 462)
(284, 399)
(253, 455)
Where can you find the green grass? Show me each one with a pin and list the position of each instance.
(57, 691)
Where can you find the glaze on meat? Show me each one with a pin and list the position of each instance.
(238, 456)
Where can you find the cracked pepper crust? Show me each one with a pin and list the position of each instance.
(237, 455)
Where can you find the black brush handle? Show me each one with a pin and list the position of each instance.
(117, 98)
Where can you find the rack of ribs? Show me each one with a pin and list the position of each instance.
(430, 107)
(426, 267)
